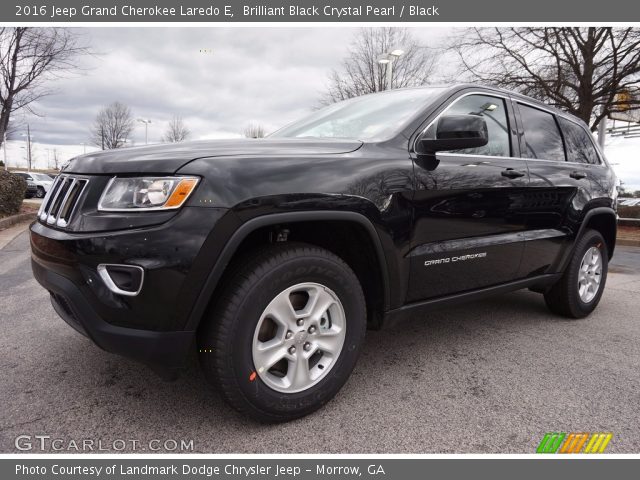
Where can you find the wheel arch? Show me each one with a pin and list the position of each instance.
(242, 233)
(602, 219)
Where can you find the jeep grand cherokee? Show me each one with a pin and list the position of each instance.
(270, 258)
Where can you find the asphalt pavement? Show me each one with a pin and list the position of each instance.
(487, 377)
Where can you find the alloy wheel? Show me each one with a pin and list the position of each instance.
(299, 337)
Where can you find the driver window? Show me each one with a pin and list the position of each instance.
(493, 109)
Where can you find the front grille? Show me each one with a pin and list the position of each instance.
(61, 200)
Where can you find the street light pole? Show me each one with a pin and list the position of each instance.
(387, 60)
(602, 131)
(146, 126)
(389, 74)
(28, 147)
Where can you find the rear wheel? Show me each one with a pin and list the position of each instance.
(579, 290)
(285, 334)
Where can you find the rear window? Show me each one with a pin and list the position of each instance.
(542, 136)
(580, 148)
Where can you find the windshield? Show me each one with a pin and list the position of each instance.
(43, 177)
(369, 117)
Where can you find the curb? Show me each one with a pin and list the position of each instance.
(628, 243)
(12, 220)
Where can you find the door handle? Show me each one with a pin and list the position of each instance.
(511, 173)
(578, 175)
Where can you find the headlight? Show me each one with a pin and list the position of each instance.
(146, 193)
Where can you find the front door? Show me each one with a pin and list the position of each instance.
(468, 223)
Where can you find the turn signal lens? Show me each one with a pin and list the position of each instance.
(181, 192)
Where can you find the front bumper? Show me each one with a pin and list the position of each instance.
(150, 327)
(168, 350)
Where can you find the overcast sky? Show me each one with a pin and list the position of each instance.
(218, 79)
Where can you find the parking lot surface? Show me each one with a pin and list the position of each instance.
(487, 377)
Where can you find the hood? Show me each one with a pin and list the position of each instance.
(168, 158)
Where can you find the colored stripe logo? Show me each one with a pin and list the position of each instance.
(559, 442)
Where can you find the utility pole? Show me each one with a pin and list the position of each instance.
(28, 148)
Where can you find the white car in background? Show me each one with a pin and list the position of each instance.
(42, 181)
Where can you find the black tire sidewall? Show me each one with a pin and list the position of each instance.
(40, 193)
(299, 270)
(580, 308)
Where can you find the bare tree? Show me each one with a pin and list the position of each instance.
(112, 126)
(254, 130)
(176, 131)
(585, 71)
(361, 72)
(29, 57)
(15, 126)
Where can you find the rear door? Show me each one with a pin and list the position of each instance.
(559, 189)
(468, 223)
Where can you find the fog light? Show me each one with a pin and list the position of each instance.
(122, 279)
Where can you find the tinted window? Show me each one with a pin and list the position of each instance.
(579, 143)
(541, 134)
(494, 112)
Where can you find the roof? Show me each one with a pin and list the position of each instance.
(455, 87)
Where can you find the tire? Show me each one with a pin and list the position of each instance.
(564, 297)
(40, 193)
(230, 342)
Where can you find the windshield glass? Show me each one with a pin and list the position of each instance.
(42, 177)
(369, 117)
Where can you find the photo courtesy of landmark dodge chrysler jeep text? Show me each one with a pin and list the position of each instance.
(270, 258)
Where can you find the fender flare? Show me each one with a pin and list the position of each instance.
(583, 225)
(230, 248)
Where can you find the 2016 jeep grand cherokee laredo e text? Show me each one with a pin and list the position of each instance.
(270, 258)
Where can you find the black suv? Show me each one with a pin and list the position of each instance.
(270, 258)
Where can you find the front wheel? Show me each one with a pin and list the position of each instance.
(40, 193)
(580, 288)
(286, 333)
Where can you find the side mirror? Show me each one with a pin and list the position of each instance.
(455, 132)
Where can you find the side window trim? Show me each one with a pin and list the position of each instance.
(565, 146)
(509, 114)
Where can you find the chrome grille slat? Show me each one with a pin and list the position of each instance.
(46, 202)
(63, 203)
(70, 202)
(60, 203)
(57, 202)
